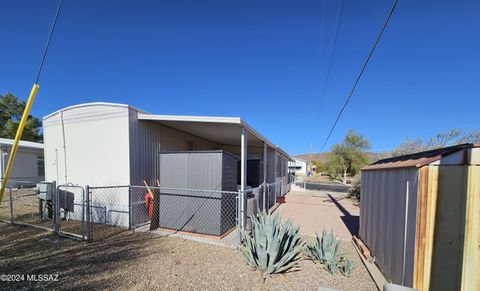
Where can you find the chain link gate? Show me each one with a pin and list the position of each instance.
(70, 204)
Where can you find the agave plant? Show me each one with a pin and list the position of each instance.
(324, 249)
(346, 267)
(273, 247)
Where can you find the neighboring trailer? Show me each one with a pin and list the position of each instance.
(209, 212)
(298, 166)
(420, 218)
(29, 162)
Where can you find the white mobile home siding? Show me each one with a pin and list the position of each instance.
(96, 146)
(382, 219)
(96, 154)
(25, 166)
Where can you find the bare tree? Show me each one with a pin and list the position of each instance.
(442, 139)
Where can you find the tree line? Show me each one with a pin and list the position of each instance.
(11, 111)
(346, 158)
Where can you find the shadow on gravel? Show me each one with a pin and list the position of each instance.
(80, 265)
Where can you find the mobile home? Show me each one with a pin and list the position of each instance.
(102, 144)
(29, 161)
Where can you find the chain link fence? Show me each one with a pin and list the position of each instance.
(208, 216)
(93, 213)
(24, 202)
(109, 211)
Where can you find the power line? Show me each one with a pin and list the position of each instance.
(361, 73)
(330, 63)
(48, 41)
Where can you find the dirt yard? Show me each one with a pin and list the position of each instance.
(146, 261)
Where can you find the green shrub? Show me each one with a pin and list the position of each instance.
(355, 191)
(273, 247)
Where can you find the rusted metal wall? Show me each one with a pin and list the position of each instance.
(382, 220)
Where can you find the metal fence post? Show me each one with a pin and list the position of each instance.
(130, 214)
(264, 188)
(239, 213)
(87, 204)
(11, 205)
(56, 208)
(83, 216)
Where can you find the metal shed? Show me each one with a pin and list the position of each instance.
(211, 212)
(420, 217)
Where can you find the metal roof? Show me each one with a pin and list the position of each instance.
(418, 160)
(22, 143)
(223, 130)
(92, 104)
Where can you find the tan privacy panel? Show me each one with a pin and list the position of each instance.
(471, 255)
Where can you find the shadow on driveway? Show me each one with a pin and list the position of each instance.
(325, 187)
(350, 221)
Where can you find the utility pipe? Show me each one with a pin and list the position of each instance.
(18, 136)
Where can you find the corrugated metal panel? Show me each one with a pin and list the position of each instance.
(382, 217)
(148, 139)
(202, 212)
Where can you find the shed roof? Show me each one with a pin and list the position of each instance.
(22, 143)
(418, 160)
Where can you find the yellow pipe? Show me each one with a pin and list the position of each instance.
(18, 136)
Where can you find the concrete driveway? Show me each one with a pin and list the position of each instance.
(325, 207)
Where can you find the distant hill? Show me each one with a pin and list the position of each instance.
(322, 157)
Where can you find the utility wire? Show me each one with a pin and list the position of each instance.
(330, 63)
(48, 41)
(361, 73)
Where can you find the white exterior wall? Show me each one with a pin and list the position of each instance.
(294, 165)
(96, 146)
(97, 154)
(25, 166)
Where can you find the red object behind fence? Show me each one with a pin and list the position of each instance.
(149, 204)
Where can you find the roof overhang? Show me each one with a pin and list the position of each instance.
(220, 130)
(24, 144)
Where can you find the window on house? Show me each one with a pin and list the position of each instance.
(41, 166)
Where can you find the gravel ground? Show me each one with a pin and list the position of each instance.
(141, 261)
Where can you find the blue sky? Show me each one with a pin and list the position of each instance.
(264, 61)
